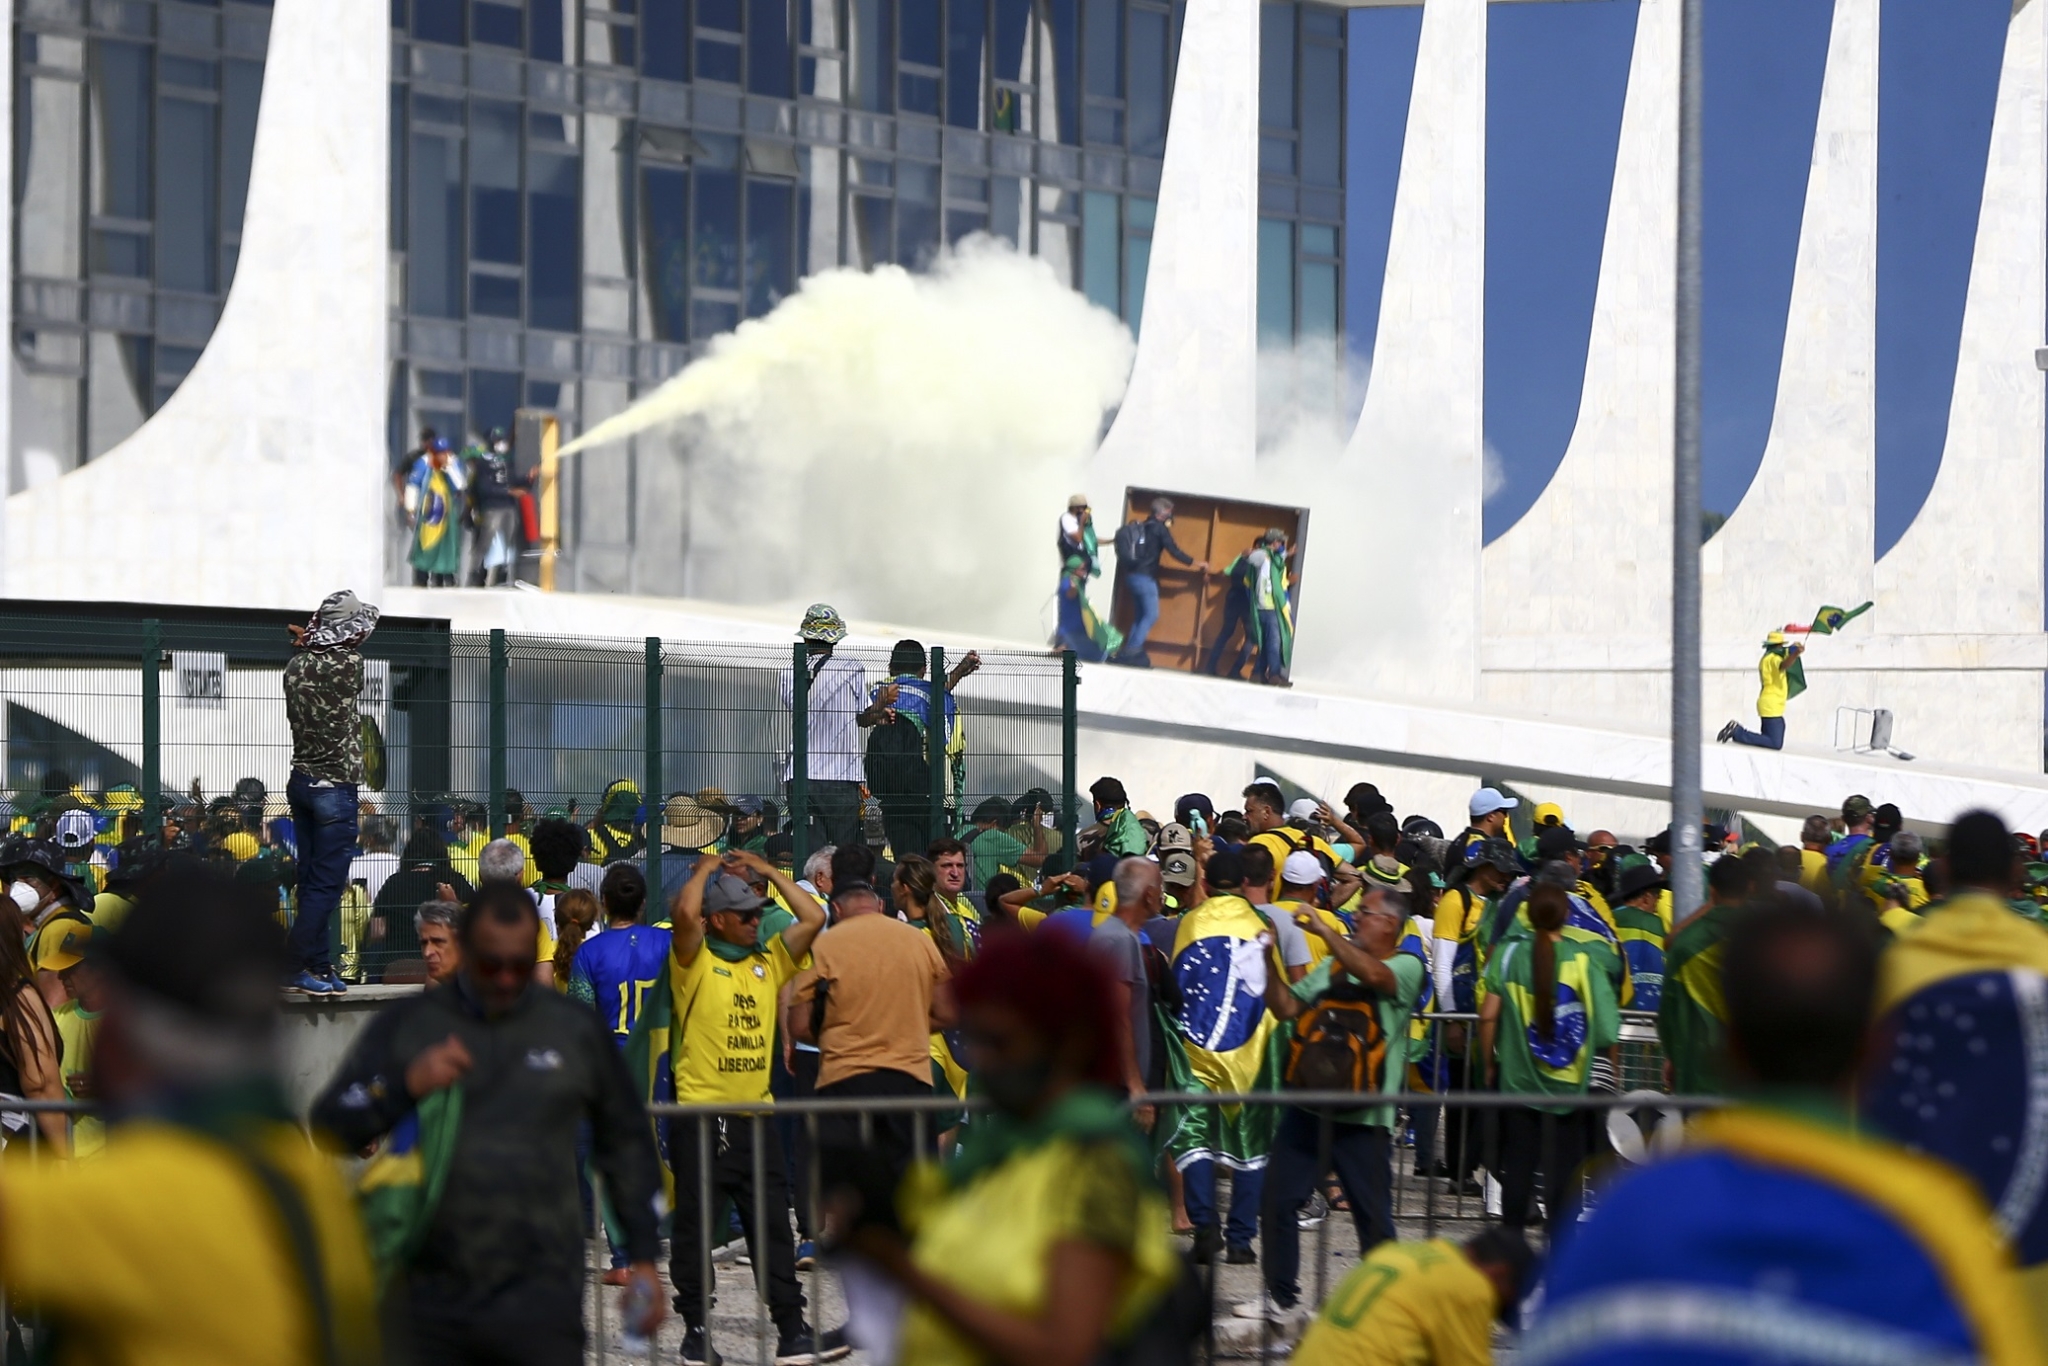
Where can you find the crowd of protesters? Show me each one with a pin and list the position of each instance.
(1020, 1015)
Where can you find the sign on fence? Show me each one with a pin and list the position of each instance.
(199, 680)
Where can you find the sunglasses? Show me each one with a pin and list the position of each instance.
(489, 965)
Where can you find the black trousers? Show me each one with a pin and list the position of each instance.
(536, 1324)
(731, 1155)
(1236, 617)
(834, 813)
(884, 1153)
(1362, 1155)
(1558, 1145)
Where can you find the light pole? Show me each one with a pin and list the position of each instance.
(1687, 809)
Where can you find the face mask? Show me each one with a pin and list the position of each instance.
(1016, 1089)
(25, 896)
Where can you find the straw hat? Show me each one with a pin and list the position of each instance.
(687, 825)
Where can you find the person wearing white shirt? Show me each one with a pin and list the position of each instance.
(836, 705)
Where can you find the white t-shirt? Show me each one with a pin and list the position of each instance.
(372, 870)
(838, 695)
(1291, 938)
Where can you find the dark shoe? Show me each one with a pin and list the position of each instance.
(1727, 733)
(335, 986)
(1240, 1254)
(697, 1351)
(311, 984)
(795, 1348)
(1208, 1241)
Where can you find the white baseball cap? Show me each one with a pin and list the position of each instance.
(1304, 809)
(1302, 869)
(1488, 800)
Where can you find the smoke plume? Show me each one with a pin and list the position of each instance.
(898, 445)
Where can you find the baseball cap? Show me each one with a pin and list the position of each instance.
(1488, 800)
(1174, 836)
(1547, 813)
(1556, 841)
(1304, 809)
(779, 847)
(69, 940)
(745, 806)
(1497, 852)
(1302, 869)
(75, 829)
(1177, 868)
(727, 893)
(1077, 501)
(1857, 808)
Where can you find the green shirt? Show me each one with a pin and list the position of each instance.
(1586, 1018)
(992, 851)
(1394, 1013)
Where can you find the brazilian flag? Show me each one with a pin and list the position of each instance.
(1829, 620)
(402, 1185)
(650, 1060)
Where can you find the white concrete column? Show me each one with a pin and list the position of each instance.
(261, 482)
(1420, 438)
(1804, 533)
(1190, 416)
(1972, 559)
(1593, 554)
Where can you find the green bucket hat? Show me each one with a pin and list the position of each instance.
(822, 624)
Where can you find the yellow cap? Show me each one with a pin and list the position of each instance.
(65, 946)
(241, 846)
(1547, 812)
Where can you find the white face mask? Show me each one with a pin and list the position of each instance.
(25, 896)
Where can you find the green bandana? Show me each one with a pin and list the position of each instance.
(731, 953)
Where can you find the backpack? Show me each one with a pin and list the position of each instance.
(1128, 537)
(1339, 1044)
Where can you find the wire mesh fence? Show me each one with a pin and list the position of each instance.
(169, 727)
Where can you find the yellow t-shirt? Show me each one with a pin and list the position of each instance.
(1287, 840)
(173, 1254)
(1406, 1304)
(75, 1029)
(1770, 697)
(725, 1021)
(1813, 869)
(1318, 949)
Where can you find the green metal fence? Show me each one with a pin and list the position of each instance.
(170, 725)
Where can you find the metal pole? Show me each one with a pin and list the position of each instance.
(1070, 762)
(152, 728)
(499, 668)
(935, 746)
(1687, 807)
(800, 752)
(651, 794)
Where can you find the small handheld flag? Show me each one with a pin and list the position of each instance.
(1829, 620)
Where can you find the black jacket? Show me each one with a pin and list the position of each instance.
(1146, 541)
(509, 1232)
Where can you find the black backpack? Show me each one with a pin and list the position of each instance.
(1128, 537)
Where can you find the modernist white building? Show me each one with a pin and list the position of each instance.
(276, 445)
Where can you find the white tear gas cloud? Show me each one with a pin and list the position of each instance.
(897, 445)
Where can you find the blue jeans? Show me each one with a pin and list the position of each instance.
(325, 818)
(1270, 669)
(1198, 1187)
(1773, 736)
(1362, 1156)
(1145, 592)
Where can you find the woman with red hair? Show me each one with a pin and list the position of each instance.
(1044, 1237)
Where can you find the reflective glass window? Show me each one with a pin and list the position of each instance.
(1276, 66)
(554, 222)
(873, 38)
(497, 25)
(187, 231)
(1318, 239)
(665, 39)
(920, 36)
(1105, 55)
(493, 395)
(717, 60)
(438, 21)
(1322, 114)
(721, 15)
(1276, 282)
(1013, 41)
(1007, 210)
(1149, 81)
(494, 182)
(545, 37)
(716, 251)
(241, 93)
(873, 227)
(665, 218)
(966, 43)
(1138, 218)
(961, 222)
(1100, 250)
(771, 266)
(1064, 76)
(1318, 300)
(434, 227)
(917, 212)
(189, 72)
(121, 86)
(768, 71)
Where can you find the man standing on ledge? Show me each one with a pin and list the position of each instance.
(1139, 546)
(1781, 682)
(321, 685)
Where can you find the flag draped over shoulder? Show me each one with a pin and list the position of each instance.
(650, 1059)
(1223, 1034)
(401, 1186)
(1692, 1014)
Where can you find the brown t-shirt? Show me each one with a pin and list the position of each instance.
(878, 1009)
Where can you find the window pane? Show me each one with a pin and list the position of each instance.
(1322, 115)
(771, 268)
(768, 70)
(434, 234)
(723, 15)
(717, 61)
(666, 206)
(1063, 76)
(717, 251)
(121, 97)
(189, 72)
(873, 229)
(1276, 282)
(966, 34)
(497, 25)
(494, 182)
(440, 383)
(708, 319)
(121, 253)
(873, 38)
(1318, 239)
(1276, 156)
(917, 233)
(1318, 300)
(1013, 38)
(437, 21)
(920, 35)
(1322, 21)
(494, 296)
(547, 29)
(1137, 260)
(961, 222)
(554, 217)
(1105, 56)
(187, 235)
(239, 100)
(1105, 125)
(493, 394)
(1007, 209)
(48, 125)
(1148, 83)
(1099, 249)
(1276, 66)
(665, 35)
(917, 180)
(919, 95)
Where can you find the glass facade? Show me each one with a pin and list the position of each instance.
(585, 192)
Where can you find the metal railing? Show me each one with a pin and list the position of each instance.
(171, 725)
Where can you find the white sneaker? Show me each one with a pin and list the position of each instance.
(1286, 1322)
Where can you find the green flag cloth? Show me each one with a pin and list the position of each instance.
(1829, 620)
(401, 1187)
(1795, 670)
(1238, 1136)
(1692, 1016)
(649, 1061)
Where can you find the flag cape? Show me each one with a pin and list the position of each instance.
(1692, 1015)
(1223, 1032)
(650, 1061)
(1283, 613)
(401, 1187)
(1795, 670)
